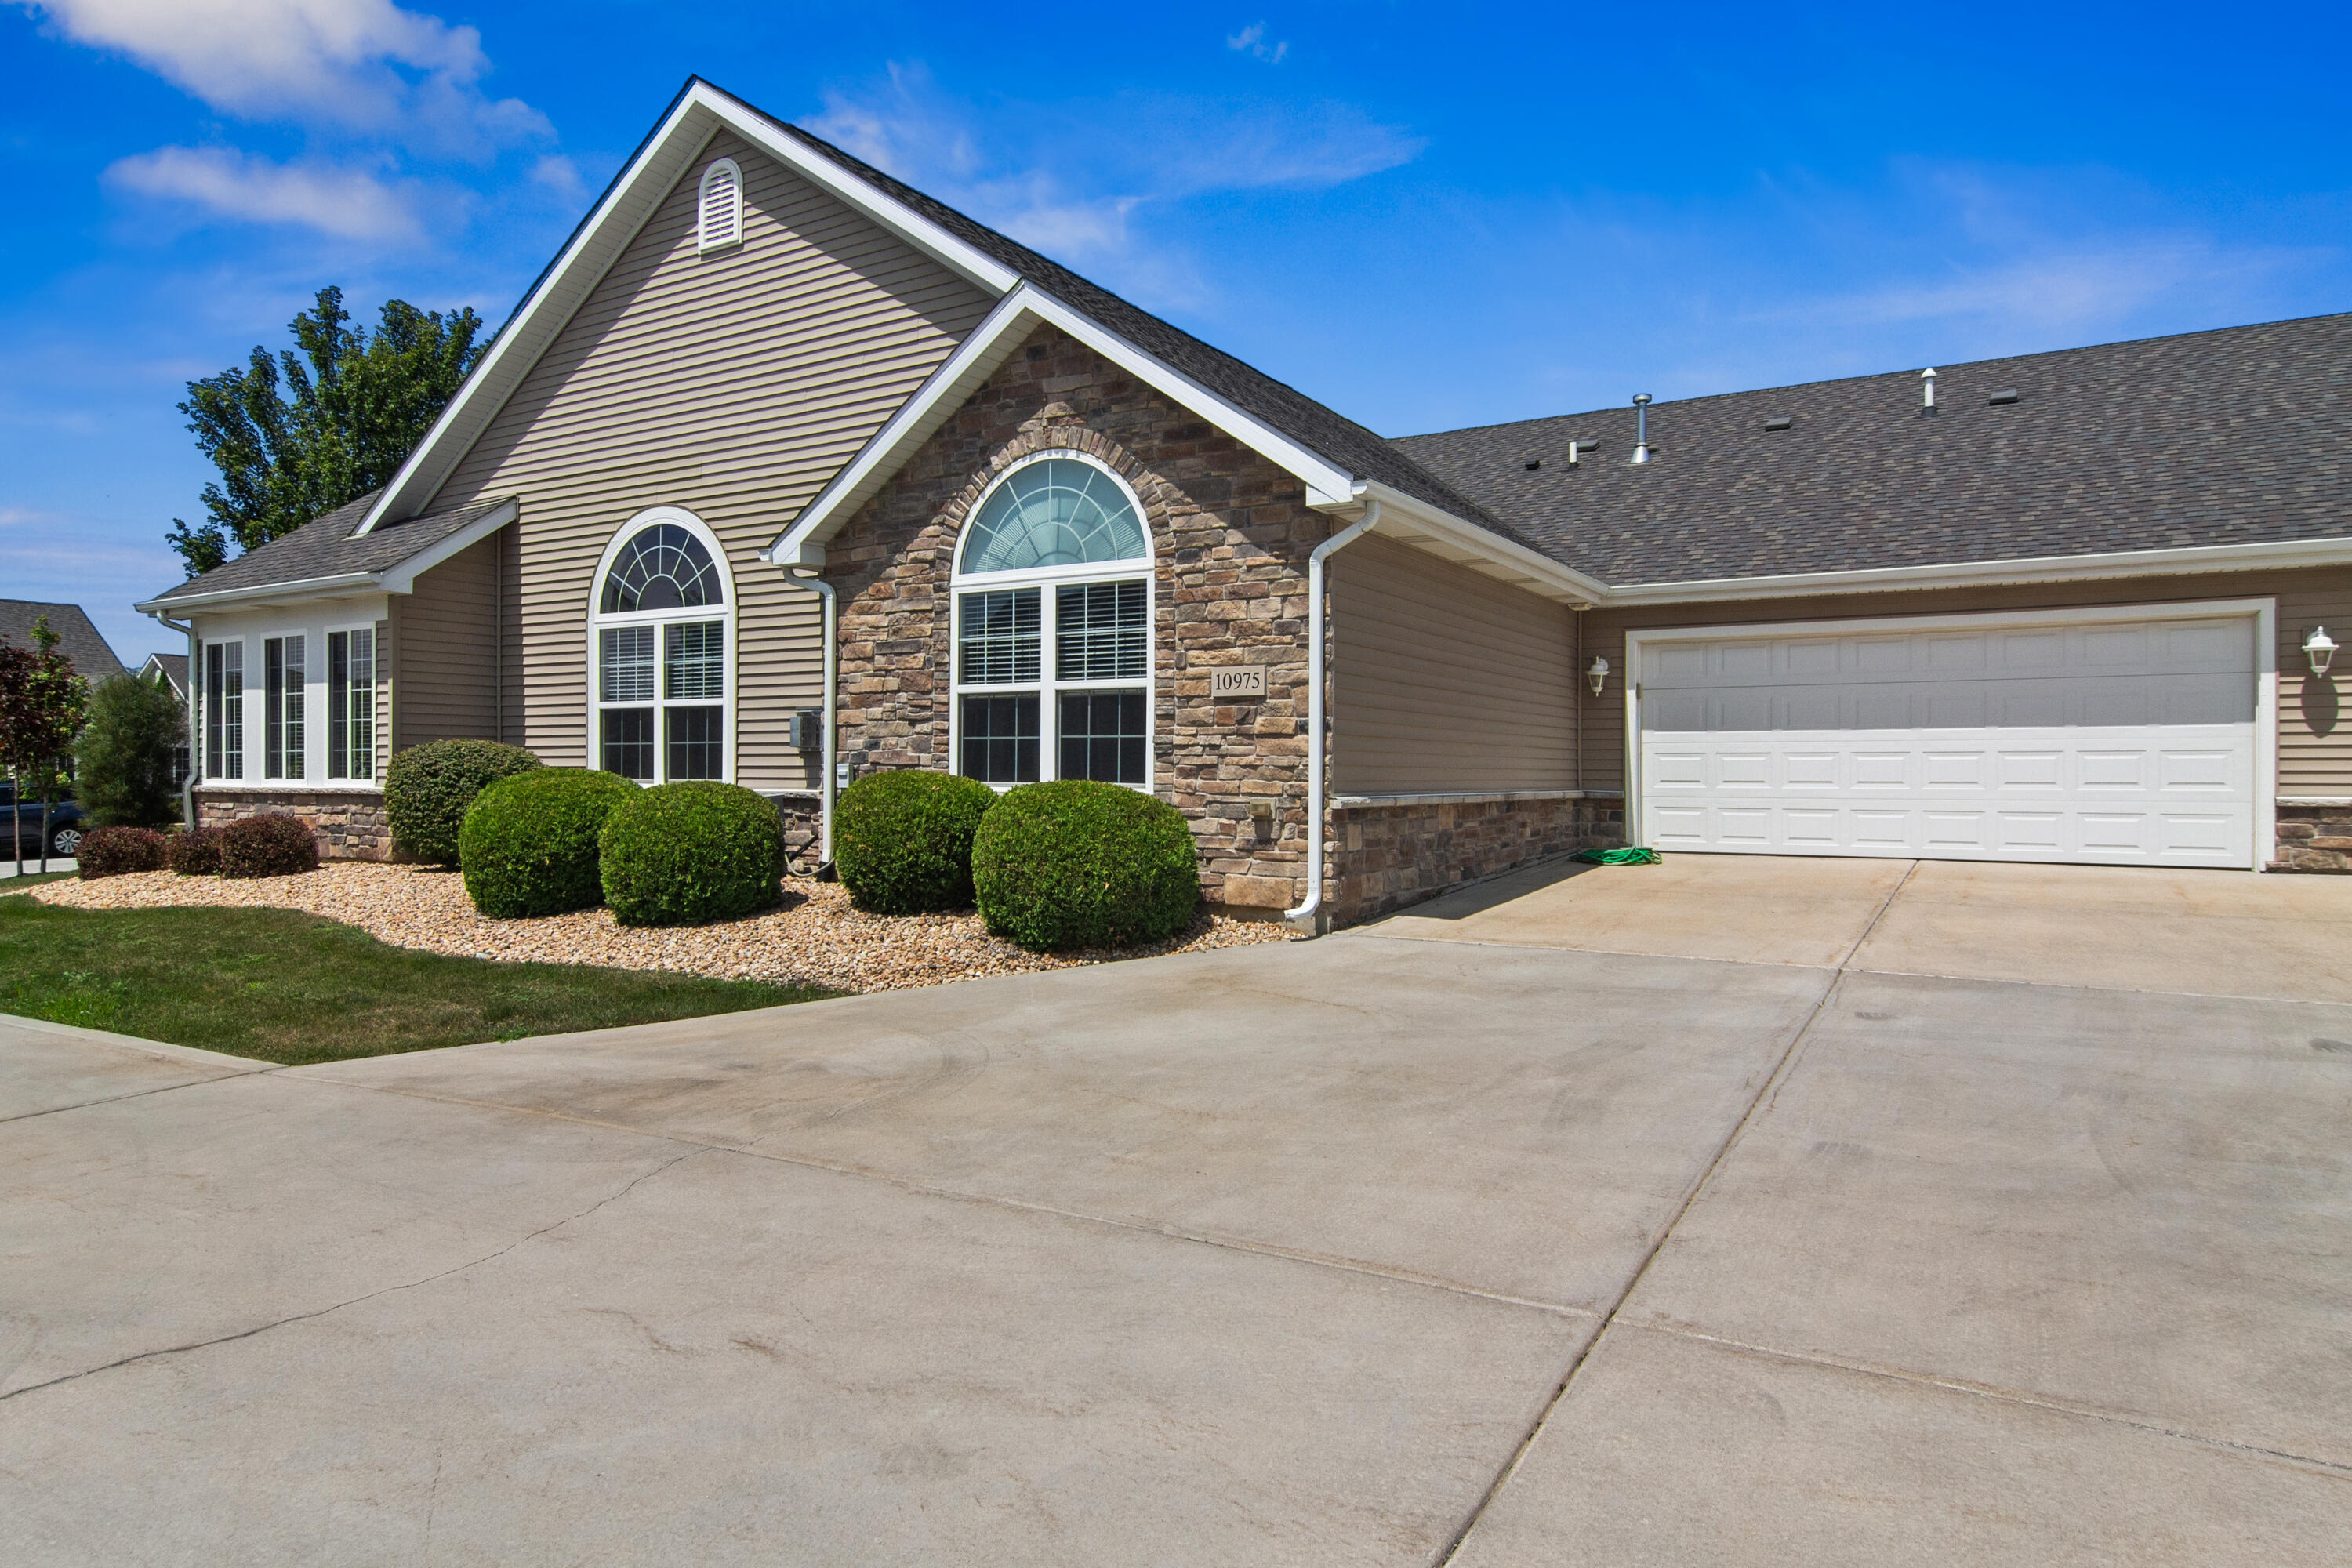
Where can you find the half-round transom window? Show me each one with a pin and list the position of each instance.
(1056, 512)
(664, 568)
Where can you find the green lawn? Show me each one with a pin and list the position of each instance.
(293, 988)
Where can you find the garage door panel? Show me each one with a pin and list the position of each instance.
(2123, 743)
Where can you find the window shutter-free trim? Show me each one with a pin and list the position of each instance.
(718, 207)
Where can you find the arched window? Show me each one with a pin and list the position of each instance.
(1053, 628)
(662, 652)
(718, 207)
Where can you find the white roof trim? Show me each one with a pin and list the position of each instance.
(1988, 574)
(1440, 534)
(399, 577)
(668, 155)
(975, 360)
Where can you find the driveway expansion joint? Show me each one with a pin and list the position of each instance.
(953, 1195)
(1998, 1392)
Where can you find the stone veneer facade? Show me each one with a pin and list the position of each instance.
(2314, 838)
(1230, 535)
(1384, 855)
(350, 824)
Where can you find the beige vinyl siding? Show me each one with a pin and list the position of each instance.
(1445, 680)
(2315, 748)
(733, 385)
(446, 636)
(387, 693)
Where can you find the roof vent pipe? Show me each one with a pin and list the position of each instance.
(1928, 390)
(1641, 427)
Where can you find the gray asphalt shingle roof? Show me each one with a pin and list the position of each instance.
(324, 547)
(1284, 407)
(2234, 436)
(77, 639)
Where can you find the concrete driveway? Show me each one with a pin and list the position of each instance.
(1724, 1211)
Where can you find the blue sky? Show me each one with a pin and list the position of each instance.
(1425, 215)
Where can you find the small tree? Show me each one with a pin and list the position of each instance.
(42, 706)
(122, 768)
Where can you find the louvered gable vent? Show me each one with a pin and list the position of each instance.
(721, 208)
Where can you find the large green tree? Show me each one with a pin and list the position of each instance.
(300, 432)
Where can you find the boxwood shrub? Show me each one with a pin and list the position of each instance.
(1077, 864)
(902, 841)
(690, 853)
(428, 789)
(113, 851)
(529, 842)
(270, 845)
(195, 854)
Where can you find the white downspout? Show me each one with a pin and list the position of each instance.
(196, 747)
(1315, 746)
(824, 590)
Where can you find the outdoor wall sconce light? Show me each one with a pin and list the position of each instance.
(1598, 674)
(2320, 648)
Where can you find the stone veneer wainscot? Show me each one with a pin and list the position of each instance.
(350, 824)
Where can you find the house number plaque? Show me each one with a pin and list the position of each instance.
(1237, 682)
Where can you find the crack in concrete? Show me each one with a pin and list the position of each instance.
(141, 1094)
(1765, 1094)
(387, 1291)
(1999, 1393)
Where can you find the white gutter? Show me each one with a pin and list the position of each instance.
(304, 588)
(196, 746)
(1315, 743)
(824, 590)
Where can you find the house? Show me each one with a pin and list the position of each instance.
(77, 639)
(783, 472)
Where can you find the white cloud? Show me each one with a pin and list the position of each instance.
(558, 174)
(358, 65)
(347, 203)
(1071, 178)
(1252, 41)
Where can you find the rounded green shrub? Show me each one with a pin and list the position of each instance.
(690, 853)
(428, 789)
(529, 842)
(117, 851)
(902, 841)
(196, 854)
(1077, 864)
(270, 845)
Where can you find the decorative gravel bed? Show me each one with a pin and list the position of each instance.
(815, 939)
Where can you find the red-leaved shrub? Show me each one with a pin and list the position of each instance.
(111, 851)
(270, 845)
(193, 854)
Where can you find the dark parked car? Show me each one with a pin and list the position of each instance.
(66, 825)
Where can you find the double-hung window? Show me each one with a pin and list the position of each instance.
(282, 733)
(225, 710)
(351, 704)
(662, 666)
(1053, 641)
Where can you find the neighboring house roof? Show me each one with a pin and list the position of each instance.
(77, 639)
(171, 667)
(325, 555)
(2204, 440)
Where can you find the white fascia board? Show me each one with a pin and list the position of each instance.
(699, 113)
(264, 592)
(975, 359)
(401, 578)
(1411, 520)
(2285, 553)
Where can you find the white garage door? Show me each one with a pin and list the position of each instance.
(2128, 743)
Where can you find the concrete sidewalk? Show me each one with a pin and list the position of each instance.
(1390, 1247)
